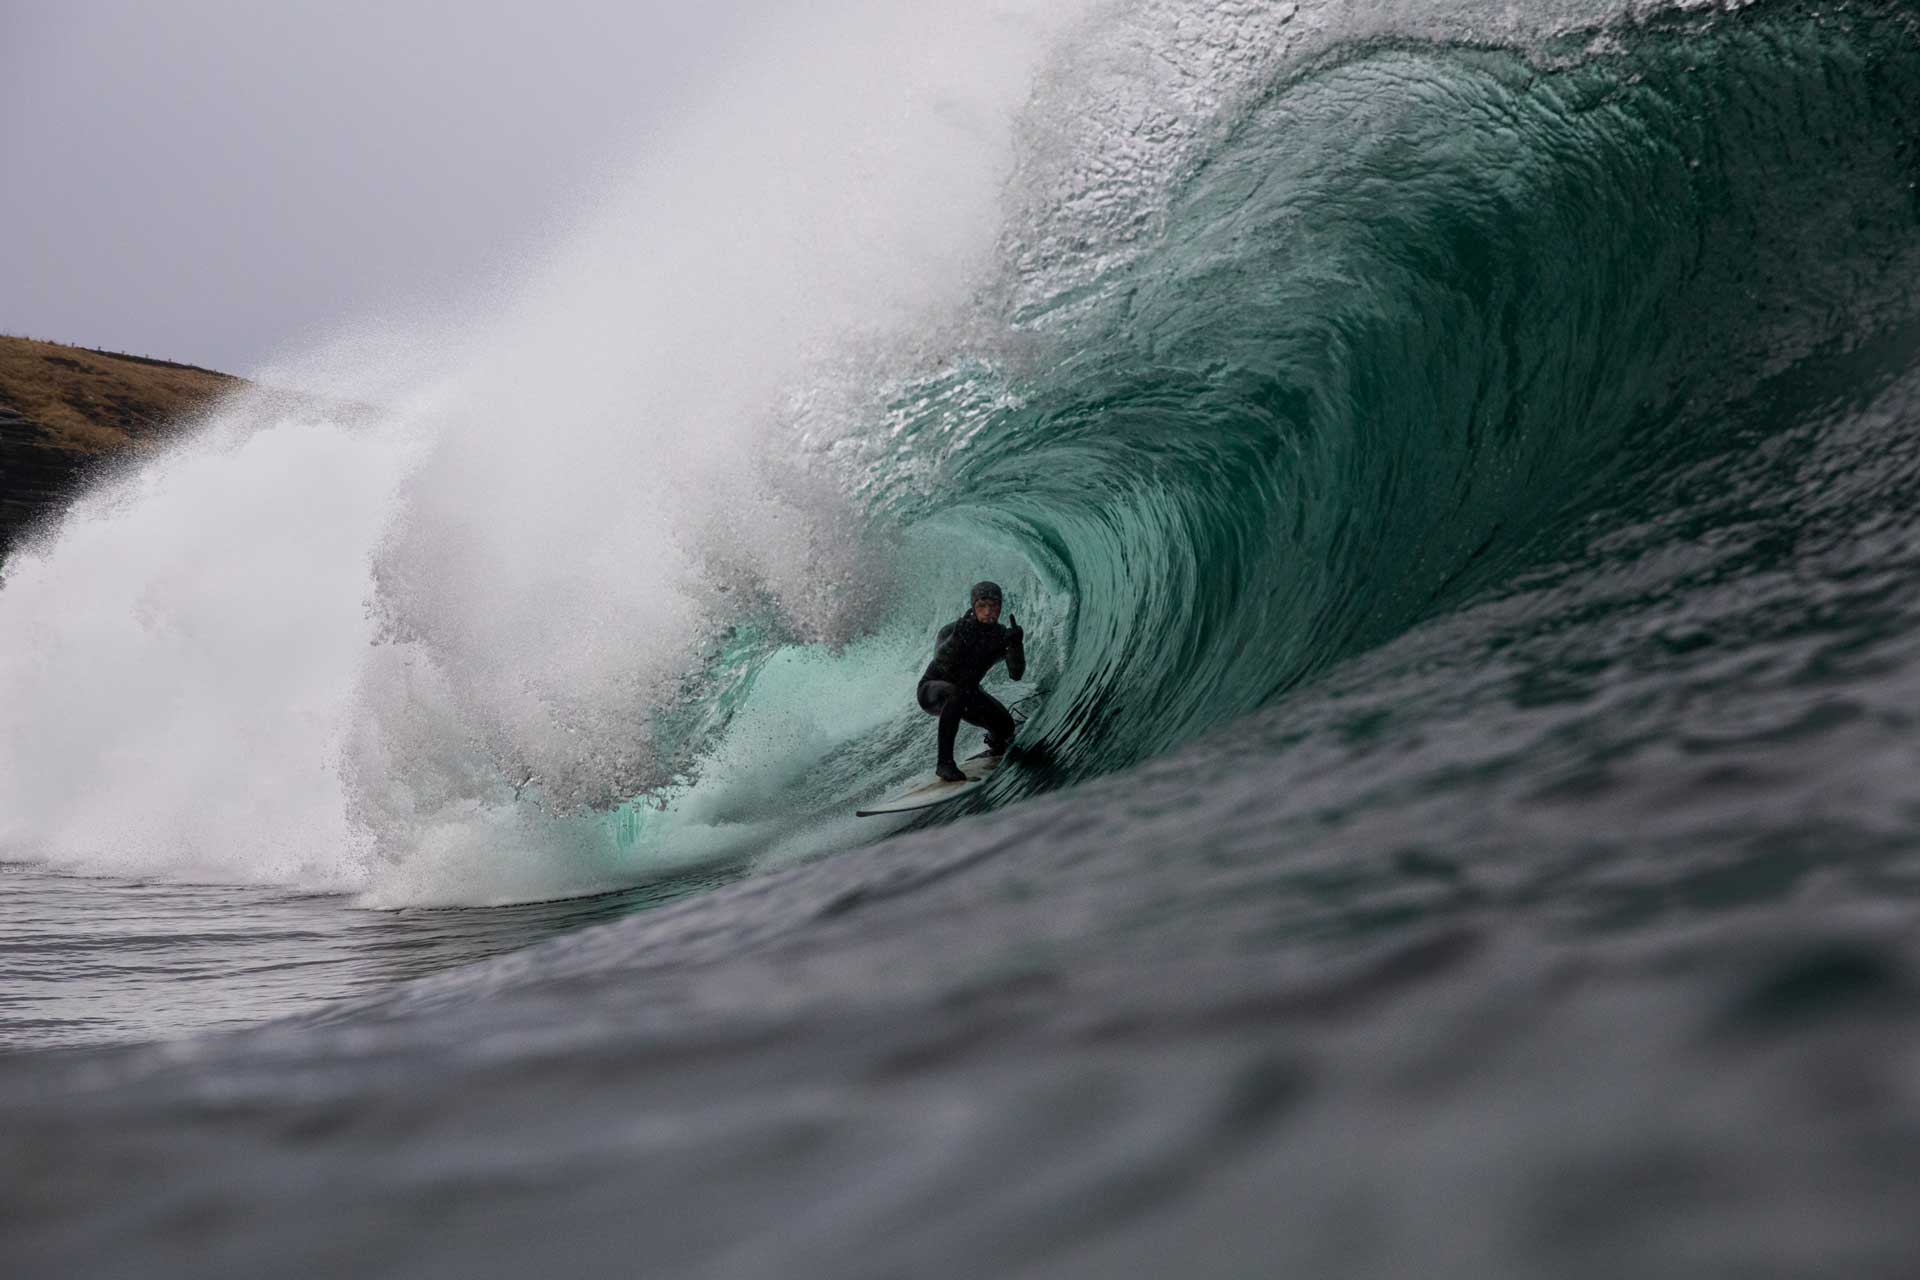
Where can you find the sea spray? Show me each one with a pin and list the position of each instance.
(547, 530)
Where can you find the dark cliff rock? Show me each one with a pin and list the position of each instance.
(65, 411)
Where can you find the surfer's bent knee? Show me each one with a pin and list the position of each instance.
(934, 695)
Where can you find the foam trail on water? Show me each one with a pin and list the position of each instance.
(405, 655)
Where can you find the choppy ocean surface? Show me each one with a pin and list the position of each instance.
(1460, 476)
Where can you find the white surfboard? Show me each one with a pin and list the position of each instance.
(929, 792)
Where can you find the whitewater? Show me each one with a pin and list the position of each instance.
(1456, 468)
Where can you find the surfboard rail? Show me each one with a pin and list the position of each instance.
(925, 793)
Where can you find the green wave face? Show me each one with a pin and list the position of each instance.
(1420, 316)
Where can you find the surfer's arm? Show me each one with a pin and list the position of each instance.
(1016, 651)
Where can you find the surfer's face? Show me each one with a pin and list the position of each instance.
(987, 610)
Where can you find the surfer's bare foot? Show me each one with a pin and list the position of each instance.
(949, 772)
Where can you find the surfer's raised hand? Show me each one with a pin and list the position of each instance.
(1014, 633)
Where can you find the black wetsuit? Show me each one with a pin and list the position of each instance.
(950, 686)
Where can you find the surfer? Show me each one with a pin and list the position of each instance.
(950, 688)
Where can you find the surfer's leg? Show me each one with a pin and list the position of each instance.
(932, 695)
(938, 697)
(983, 709)
(949, 730)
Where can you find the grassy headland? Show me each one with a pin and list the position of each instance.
(64, 410)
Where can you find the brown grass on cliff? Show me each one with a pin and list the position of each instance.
(97, 402)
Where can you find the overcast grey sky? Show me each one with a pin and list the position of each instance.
(217, 180)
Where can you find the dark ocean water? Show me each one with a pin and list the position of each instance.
(1472, 546)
